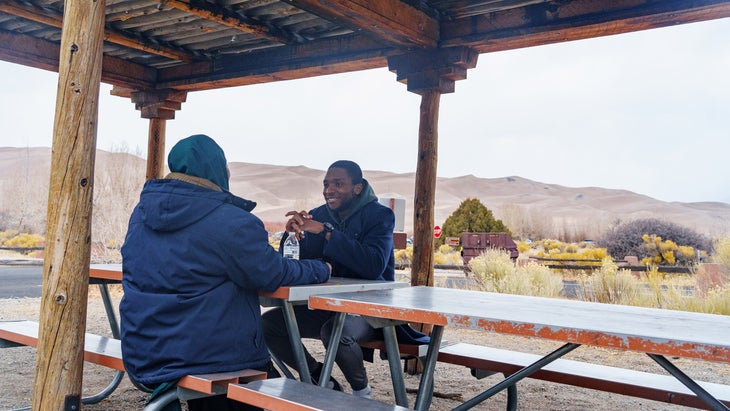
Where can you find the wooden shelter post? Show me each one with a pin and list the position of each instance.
(429, 74)
(158, 106)
(59, 362)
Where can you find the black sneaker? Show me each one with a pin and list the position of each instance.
(316, 374)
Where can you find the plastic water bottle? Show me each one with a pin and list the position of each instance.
(291, 246)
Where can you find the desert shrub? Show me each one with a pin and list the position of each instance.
(494, 271)
(471, 217)
(522, 247)
(13, 239)
(717, 301)
(543, 281)
(570, 251)
(627, 239)
(404, 256)
(608, 285)
(721, 253)
(453, 258)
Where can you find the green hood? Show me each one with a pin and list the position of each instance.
(202, 157)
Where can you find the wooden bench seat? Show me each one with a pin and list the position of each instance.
(664, 388)
(107, 352)
(291, 395)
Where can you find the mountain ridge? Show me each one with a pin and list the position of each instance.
(539, 209)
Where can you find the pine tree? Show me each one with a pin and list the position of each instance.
(472, 217)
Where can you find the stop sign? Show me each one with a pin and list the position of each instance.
(436, 232)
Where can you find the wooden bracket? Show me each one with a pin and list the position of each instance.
(434, 69)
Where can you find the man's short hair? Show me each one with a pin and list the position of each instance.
(353, 170)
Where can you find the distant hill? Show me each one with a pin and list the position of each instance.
(536, 209)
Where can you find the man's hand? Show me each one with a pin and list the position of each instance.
(301, 222)
(297, 222)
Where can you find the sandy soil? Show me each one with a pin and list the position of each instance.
(17, 367)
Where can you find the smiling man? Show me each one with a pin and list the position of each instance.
(353, 232)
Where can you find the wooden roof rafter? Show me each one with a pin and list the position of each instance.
(236, 21)
(54, 19)
(391, 21)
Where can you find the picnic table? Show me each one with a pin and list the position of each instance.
(285, 297)
(656, 332)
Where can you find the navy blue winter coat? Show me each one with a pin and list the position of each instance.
(360, 247)
(193, 261)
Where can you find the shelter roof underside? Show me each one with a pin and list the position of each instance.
(201, 44)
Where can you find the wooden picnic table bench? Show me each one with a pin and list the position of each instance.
(107, 352)
(484, 361)
(284, 394)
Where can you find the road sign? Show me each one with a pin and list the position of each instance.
(436, 232)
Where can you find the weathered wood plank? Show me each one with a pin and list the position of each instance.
(548, 23)
(59, 364)
(393, 21)
(425, 189)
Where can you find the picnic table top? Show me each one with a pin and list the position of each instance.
(294, 293)
(650, 330)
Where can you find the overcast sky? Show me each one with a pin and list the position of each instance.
(648, 112)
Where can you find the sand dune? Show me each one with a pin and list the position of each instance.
(513, 199)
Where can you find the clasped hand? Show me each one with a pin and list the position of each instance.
(301, 222)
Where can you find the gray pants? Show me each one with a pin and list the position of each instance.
(318, 324)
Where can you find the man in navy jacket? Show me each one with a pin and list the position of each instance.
(353, 232)
(193, 261)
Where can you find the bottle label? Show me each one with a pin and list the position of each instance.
(291, 251)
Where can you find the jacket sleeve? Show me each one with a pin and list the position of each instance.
(255, 264)
(368, 255)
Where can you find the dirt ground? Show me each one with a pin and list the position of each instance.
(17, 368)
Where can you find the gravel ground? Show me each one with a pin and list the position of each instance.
(17, 367)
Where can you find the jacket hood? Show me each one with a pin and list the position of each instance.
(171, 204)
(200, 156)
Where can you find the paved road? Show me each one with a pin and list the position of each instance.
(17, 281)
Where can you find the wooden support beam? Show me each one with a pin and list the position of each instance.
(48, 17)
(555, 22)
(158, 103)
(59, 362)
(433, 70)
(392, 21)
(29, 51)
(322, 57)
(429, 74)
(424, 198)
(156, 148)
(158, 106)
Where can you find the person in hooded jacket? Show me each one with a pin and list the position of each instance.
(193, 261)
(353, 232)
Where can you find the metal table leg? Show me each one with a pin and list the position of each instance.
(329, 357)
(425, 387)
(396, 372)
(296, 341)
(705, 396)
(514, 378)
